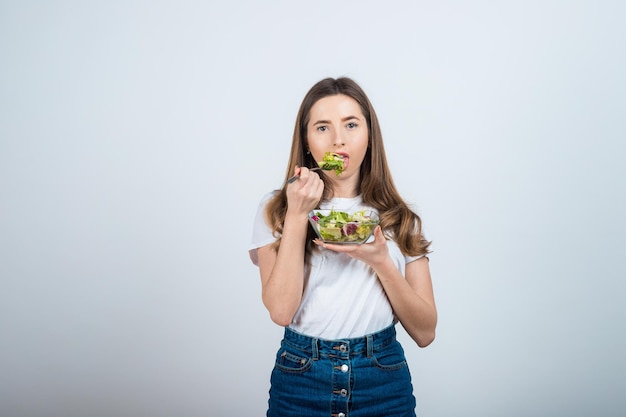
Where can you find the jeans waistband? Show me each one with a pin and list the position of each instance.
(341, 347)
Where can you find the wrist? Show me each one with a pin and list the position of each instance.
(386, 267)
(293, 219)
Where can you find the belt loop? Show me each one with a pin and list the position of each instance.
(369, 341)
(314, 349)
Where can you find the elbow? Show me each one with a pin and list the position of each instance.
(426, 339)
(281, 316)
(282, 320)
(426, 335)
(280, 313)
(422, 336)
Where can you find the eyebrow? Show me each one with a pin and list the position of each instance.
(345, 119)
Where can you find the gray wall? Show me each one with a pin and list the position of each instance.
(136, 139)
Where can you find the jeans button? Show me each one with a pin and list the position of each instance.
(341, 415)
(344, 368)
(343, 348)
(344, 392)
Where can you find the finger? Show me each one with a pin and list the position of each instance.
(378, 234)
(312, 181)
(320, 185)
(304, 174)
(318, 242)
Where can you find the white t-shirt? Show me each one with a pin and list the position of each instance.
(343, 297)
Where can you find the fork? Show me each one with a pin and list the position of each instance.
(295, 177)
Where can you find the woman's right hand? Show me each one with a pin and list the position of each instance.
(304, 194)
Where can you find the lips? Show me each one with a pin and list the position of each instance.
(346, 159)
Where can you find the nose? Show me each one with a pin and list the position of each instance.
(338, 139)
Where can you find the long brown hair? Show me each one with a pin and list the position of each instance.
(376, 186)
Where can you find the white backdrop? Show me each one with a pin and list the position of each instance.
(136, 139)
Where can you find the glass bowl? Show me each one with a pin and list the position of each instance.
(343, 226)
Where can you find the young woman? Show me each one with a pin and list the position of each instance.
(339, 303)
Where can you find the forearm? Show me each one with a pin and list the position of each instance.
(282, 291)
(417, 315)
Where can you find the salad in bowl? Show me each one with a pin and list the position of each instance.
(336, 226)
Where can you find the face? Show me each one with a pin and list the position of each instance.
(336, 124)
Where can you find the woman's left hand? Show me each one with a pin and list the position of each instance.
(373, 253)
(411, 296)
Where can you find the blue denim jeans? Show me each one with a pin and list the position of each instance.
(362, 377)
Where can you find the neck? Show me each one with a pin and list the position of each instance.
(345, 188)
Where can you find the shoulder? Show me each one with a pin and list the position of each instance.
(265, 199)
(268, 196)
(262, 233)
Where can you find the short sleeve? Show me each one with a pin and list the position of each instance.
(261, 232)
(409, 259)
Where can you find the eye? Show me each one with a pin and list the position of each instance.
(322, 128)
(352, 125)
